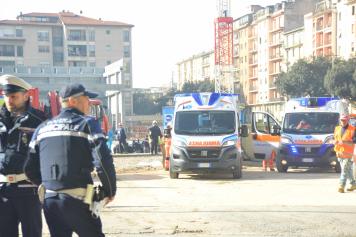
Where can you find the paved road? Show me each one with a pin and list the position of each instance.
(299, 203)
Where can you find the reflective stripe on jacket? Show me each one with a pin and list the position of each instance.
(344, 150)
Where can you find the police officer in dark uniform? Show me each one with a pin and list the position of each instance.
(64, 152)
(18, 197)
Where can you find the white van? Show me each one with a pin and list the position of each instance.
(206, 134)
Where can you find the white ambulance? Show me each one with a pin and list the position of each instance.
(206, 134)
(305, 137)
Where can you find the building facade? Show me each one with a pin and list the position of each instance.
(324, 20)
(271, 39)
(346, 28)
(197, 68)
(293, 47)
(53, 49)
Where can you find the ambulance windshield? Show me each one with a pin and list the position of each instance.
(307, 123)
(205, 122)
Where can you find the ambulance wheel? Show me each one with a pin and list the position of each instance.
(280, 167)
(237, 172)
(173, 175)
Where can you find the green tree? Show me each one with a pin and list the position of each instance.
(143, 104)
(201, 86)
(340, 80)
(304, 78)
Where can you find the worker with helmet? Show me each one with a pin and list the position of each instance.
(18, 196)
(344, 141)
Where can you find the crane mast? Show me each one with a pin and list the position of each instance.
(223, 48)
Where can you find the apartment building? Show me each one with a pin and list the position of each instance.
(63, 39)
(267, 28)
(346, 28)
(197, 68)
(50, 50)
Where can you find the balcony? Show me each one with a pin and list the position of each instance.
(276, 57)
(274, 73)
(252, 50)
(253, 88)
(275, 99)
(53, 71)
(252, 62)
(275, 43)
(76, 38)
(12, 37)
(276, 28)
(252, 77)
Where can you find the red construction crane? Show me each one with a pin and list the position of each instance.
(223, 48)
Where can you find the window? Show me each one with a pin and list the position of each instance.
(77, 35)
(353, 10)
(7, 50)
(77, 50)
(264, 123)
(108, 47)
(126, 36)
(91, 49)
(7, 63)
(126, 51)
(92, 64)
(58, 57)
(43, 49)
(7, 33)
(43, 36)
(92, 35)
(19, 33)
(108, 32)
(127, 67)
(19, 51)
(108, 62)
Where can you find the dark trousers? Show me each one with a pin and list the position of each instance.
(123, 146)
(154, 146)
(20, 209)
(65, 215)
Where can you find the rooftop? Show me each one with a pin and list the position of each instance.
(64, 17)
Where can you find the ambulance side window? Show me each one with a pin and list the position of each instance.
(271, 123)
(262, 124)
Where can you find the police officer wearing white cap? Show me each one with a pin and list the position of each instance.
(64, 152)
(18, 196)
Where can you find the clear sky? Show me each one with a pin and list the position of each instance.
(165, 32)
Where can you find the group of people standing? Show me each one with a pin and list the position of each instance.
(154, 138)
(47, 164)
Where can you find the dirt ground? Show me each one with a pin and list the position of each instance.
(297, 203)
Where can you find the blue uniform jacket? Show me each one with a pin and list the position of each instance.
(15, 136)
(65, 150)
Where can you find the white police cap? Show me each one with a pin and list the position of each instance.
(12, 84)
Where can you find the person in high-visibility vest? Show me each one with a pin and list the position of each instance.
(167, 145)
(344, 141)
